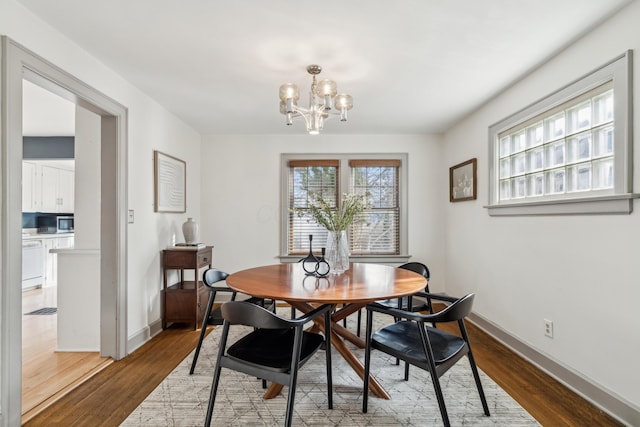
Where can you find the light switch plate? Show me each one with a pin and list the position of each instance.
(130, 216)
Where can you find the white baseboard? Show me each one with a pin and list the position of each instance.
(140, 338)
(614, 405)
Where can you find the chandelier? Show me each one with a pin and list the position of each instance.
(324, 101)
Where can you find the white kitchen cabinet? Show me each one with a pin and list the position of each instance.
(66, 190)
(57, 189)
(48, 186)
(51, 259)
(31, 187)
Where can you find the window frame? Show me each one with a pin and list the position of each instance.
(344, 186)
(620, 200)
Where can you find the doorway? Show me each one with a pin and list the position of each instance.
(61, 157)
(19, 63)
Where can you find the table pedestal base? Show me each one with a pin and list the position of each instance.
(338, 336)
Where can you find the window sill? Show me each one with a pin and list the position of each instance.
(605, 205)
(386, 259)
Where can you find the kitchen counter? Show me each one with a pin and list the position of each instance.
(50, 245)
(36, 236)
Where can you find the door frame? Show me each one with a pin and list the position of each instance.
(17, 63)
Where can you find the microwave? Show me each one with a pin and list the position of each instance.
(54, 224)
(64, 224)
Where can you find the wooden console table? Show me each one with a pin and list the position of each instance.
(186, 300)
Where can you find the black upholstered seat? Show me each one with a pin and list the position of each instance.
(265, 348)
(274, 350)
(213, 317)
(412, 340)
(407, 303)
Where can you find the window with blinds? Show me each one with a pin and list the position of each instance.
(308, 178)
(379, 231)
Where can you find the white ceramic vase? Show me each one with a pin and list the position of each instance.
(191, 232)
(337, 253)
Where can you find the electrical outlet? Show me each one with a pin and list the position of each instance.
(548, 328)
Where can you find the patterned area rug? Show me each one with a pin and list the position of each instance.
(181, 399)
(44, 310)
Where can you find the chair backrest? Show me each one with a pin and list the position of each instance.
(417, 267)
(458, 310)
(244, 313)
(213, 275)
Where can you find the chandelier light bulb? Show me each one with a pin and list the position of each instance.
(344, 103)
(289, 93)
(327, 89)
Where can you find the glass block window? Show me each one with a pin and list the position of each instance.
(566, 150)
(569, 152)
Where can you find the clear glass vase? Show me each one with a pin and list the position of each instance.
(338, 251)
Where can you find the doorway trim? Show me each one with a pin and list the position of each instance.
(17, 63)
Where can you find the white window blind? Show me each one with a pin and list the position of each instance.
(309, 178)
(379, 236)
(378, 232)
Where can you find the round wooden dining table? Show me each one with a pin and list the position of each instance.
(350, 291)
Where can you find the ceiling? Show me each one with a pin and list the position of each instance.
(45, 113)
(412, 66)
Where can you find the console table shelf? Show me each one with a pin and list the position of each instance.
(186, 300)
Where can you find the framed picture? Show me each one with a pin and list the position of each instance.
(463, 181)
(170, 183)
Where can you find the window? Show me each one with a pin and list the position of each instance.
(380, 236)
(568, 153)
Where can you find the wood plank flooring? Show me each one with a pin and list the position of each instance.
(46, 374)
(112, 394)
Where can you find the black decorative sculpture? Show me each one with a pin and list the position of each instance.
(313, 265)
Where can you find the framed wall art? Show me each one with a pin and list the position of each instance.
(170, 183)
(463, 181)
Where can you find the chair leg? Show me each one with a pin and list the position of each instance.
(212, 396)
(344, 321)
(359, 321)
(293, 374)
(474, 369)
(440, 397)
(327, 332)
(476, 376)
(367, 362)
(406, 371)
(433, 373)
(203, 331)
(290, 400)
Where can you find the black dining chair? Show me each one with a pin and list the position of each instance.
(274, 350)
(415, 342)
(408, 302)
(213, 317)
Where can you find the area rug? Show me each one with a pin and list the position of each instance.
(181, 399)
(44, 310)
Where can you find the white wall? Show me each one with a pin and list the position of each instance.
(150, 127)
(581, 272)
(87, 181)
(241, 192)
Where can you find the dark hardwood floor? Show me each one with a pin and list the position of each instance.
(111, 395)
